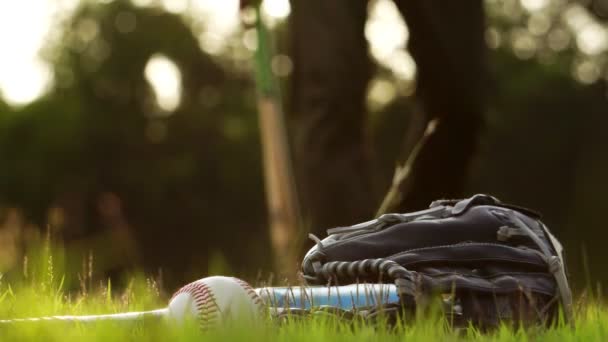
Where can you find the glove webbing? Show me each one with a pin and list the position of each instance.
(352, 271)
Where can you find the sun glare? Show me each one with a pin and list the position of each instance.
(24, 76)
(166, 80)
(219, 20)
(175, 6)
(387, 35)
(385, 29)
(534, 5)
(277, 9)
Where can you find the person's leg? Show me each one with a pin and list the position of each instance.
(331, 72)
(447, 43)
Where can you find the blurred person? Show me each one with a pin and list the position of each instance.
(329, 85)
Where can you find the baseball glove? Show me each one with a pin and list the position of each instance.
(488, 262)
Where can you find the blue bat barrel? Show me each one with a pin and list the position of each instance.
(348, 297)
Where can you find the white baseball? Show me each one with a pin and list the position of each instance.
(215, 301)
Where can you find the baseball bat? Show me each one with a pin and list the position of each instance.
(281, 197)
(348, 297)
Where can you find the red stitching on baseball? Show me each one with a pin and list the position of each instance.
(204, 300)
(250, 291)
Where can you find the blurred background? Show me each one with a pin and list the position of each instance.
(129, 130)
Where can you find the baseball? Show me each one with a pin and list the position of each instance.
(216, 301)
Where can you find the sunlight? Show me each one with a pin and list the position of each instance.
(592, 39)
(277, 9)
(385, 29)
(211, 43)
(587, 72)
(26, 82)
(576, 17)
(558, 39)
(387, 35)
(250, 39)
(220, 17)
(24, 76)
(381, 92)
(591, 36)
(402, 64)
(523, 43)
(175, 6)
(534, 5)
(539, 24)
(166, 80)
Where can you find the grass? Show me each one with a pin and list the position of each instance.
(41, 293)
(591, 324)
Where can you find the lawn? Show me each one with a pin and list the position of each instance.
(42, 293)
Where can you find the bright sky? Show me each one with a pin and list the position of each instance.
(23, 76)
(25, 25)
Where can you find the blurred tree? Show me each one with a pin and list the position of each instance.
(547, 154)
(544, 147)
(99, 135)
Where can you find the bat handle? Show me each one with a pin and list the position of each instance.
(126, 317)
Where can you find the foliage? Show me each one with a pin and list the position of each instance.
(99, 133)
